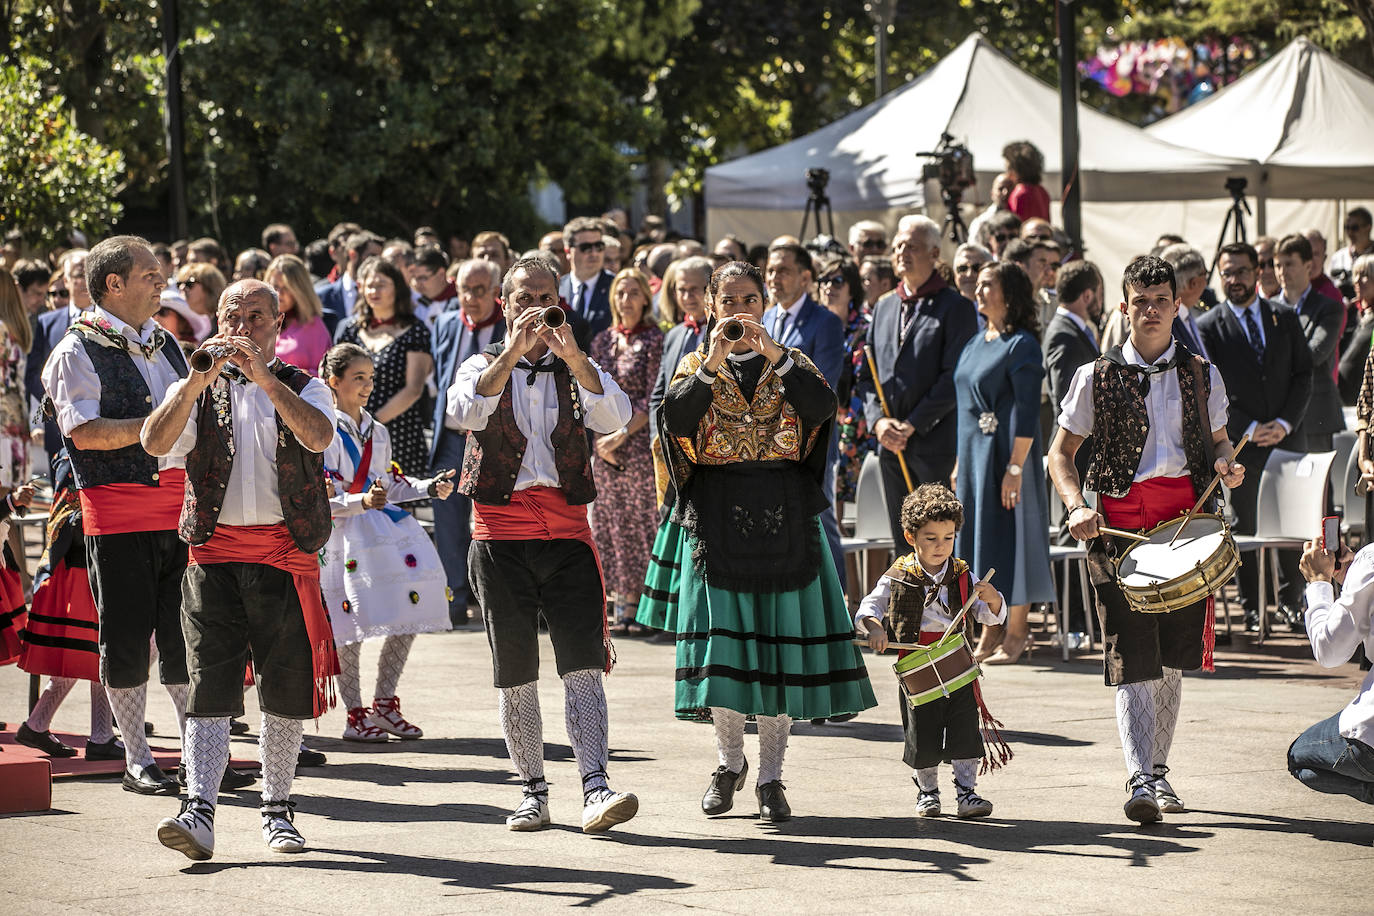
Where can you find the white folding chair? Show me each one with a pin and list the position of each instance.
(1343, 443)
(1353, 523)
(872, 531)
(1292, 501)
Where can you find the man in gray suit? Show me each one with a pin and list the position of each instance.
(1321, 319)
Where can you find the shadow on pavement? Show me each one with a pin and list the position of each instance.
(471, 876)
(389, 774)
(455, 747)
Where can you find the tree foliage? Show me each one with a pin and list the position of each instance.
(53, 177)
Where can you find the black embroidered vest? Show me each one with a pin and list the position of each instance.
(906, 604)
(300, 474)
(1121, 422)
(124, 395)
(491, 461)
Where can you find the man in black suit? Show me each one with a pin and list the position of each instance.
(587, 286)
(918, 331)
(1190, 274)
(1071, 340)
(1262, 354)
(1321, 318)
(460, 333)
(51, 328)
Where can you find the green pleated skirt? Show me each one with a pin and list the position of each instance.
(766, 654)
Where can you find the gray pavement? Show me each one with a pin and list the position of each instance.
(417, 827)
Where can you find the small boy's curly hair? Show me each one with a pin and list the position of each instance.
(931, 502)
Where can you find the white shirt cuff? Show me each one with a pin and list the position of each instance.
(1320, 594)
(72, 415)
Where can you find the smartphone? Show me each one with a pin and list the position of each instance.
(1331, 533)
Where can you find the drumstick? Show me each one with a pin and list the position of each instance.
(972, 597)
(1103, 529)
(882, 402)
(904, 646)
(1210, 487)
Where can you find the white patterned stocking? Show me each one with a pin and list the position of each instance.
(729, 737)
(1168, 697)
(102, 717)
(390, 664)
(40, 718)
(129, 704)
(584, 708)
(523, 726)
(1135, 720)
(349, 680)
(278, 745)
(773, 733)
(205, 751)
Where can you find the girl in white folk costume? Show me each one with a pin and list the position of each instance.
(381, 574)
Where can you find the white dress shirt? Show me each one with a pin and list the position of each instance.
(252, 496)
(1163, 454)
(349, 286)
(536, 412)
(71, 381)
(938, 613)
(398, 487)
(1336, 626)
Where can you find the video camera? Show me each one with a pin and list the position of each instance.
(952, 168)
(816, 180)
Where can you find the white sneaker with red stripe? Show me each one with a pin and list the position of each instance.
(386, 715)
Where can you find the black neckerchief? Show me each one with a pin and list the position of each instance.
(1116, 357)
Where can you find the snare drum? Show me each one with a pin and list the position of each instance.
(1157, 578)
(931, 672)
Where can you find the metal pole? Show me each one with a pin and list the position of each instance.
(1070, 196)
(172, 120)
(880, 60)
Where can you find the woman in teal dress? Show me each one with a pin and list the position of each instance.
(1001, 477)
(740, 571)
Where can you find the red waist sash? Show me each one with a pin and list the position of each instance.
(123, 508)
(541, 514)
(1149, 502)
(271, 545)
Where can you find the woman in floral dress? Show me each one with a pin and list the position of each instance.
(623, 515)
(16, 336)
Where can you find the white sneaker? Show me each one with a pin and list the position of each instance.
(277, 827)
(605, 809)
(360, 728)
(1142, 807)
(386, 715)
(192, 832)
(1168, 799)
(971, 804)
(928, 804)
(533, 814)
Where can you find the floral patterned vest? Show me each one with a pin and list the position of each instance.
(300, 472)
(124, 395)
(1121, 422)
(491, 461)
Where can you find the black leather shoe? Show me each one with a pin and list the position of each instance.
(152, 781)
(720, 794)
(844, 717)
(309, 758)
(43, 741)
(105, 750)
(232, 778)
(1252, 621)
(238, 727)
(773, 804)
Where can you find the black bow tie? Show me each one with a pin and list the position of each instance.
(1157, 369)
(537, 368)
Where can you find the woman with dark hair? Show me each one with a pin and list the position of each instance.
(1026, 167)
(385, 325)
(1000, 475)
(740, 571)
(623, 513)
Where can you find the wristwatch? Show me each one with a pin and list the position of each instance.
(1014, 470)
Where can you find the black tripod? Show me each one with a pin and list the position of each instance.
(1240, 208)
(954, 223)
(818, 200)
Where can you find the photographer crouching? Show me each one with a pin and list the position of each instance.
(1337, 754)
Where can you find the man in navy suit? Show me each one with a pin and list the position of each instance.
(587, 287)
(339, 296)
(917, 333)
(1262, 354)
(460, 333)
(1321, 318)
(51, 327)
(797, 320)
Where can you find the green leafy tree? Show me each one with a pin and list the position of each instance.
(53, 177)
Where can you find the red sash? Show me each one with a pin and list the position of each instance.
(271, 545)
(1146, 504)
(123, 508)
(365, 462)
(541, 514)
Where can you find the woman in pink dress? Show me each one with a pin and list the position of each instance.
(303, 340)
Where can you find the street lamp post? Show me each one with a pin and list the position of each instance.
(883, 12)
(172, 120)
(1070, 196)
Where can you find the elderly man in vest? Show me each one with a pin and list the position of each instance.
(256, 510)
(102, 380)
(1157, 417)
(528, 403)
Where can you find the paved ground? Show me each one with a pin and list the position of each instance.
(417, 827)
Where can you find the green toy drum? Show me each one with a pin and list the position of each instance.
(931, 672)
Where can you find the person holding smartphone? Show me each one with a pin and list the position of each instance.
(1336, 755)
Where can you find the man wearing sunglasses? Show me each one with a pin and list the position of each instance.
(867, 239)
(1358, 224)
(52, 325)
(587, 286)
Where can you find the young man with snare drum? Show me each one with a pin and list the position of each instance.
(1157, 414)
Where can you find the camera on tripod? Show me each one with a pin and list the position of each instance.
(952, 168)
(817, 179)
(1237, 185)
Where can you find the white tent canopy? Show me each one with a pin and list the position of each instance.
(982, 99)
(1303, 114)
